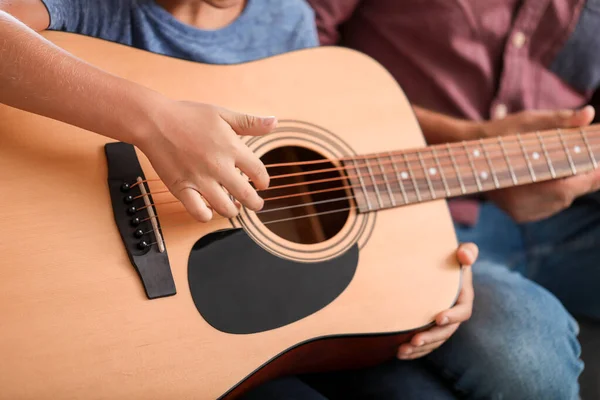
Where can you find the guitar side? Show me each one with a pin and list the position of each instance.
(75, 319)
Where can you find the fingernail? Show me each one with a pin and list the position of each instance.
(406, 351)
(420, 343)
(268, 121)
(444, 321)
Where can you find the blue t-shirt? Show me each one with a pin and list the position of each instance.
(265, 28)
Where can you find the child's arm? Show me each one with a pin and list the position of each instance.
(192, 146)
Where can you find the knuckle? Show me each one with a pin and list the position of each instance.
(566, 202)
(246, 121)
(260, 171)
(216, 165)
(261, 175)
(249, 120)
(178, 185)
(468, 314)
(246, 194)
(562, 200)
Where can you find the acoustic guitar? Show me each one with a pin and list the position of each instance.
(109, 290)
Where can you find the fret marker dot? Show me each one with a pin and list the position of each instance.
(536, 155)
(577, 149)
(484, 175)
(476, 153)
(404, 175)
(432, 171)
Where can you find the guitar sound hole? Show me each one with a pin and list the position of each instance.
(308, 212)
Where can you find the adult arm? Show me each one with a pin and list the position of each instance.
(193, 147)
(439, 128)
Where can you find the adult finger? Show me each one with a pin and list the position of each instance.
(552, 119)
(434, 334)
(467, 253)
(463, 308)
(579, 185)
(418, 352)
(441, 335)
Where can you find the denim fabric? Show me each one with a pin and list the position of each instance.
(561, 253)
(520, 342)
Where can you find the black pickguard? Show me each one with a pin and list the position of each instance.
(240, 288)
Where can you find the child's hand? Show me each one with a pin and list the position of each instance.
(196, 149)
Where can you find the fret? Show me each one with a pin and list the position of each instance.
(362, 185)
(412, 177)
(548, 159)
(489, 161)
(472, 166)
(460, 181)
(374, 183)
(589, 148)
(399, 178)
(533, 177)
(573, 169)
(442, 174)
(426, 172)
(510, 168)
(387, 184)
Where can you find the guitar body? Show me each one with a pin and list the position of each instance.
(253, 301)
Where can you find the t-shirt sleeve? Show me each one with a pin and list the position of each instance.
(329, 15)
(106, 19)
(306, 31)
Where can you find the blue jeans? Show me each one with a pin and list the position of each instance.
(520, 343)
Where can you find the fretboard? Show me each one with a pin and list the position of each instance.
(385, 180)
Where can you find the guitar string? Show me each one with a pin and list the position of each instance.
(282, 219)
(445, 174)
(337, 210)
(351, 197)
(375, 184)
(550, 149)
(408, 190)
(555, 135)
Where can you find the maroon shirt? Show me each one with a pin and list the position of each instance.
(475, 59)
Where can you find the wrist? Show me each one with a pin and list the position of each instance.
(146, 126)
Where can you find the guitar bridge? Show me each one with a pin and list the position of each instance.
(137, 221)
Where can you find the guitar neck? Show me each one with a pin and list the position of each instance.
(386, 180)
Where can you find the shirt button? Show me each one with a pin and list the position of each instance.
(500, 111)
(518, 39)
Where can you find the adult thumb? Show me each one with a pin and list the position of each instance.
(248, 125)
(576, 118)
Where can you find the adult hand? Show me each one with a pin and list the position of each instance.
(447, 322)
(541, 200)
(195, 149)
